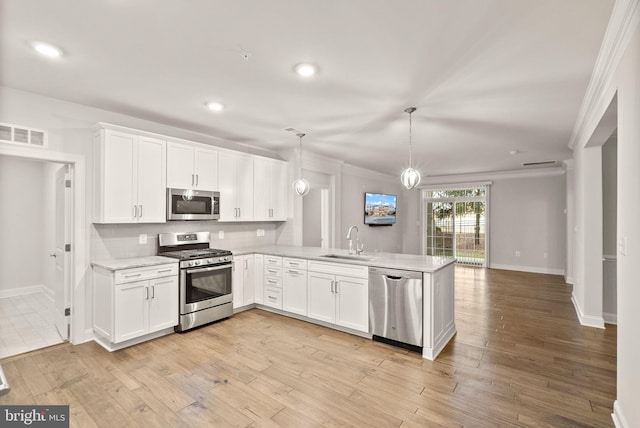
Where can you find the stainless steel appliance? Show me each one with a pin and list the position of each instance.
(205, 278)
(395, 307)
(190, 204)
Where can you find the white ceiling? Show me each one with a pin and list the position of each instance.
(487, 76)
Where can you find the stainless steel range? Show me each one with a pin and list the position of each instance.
(205, 278)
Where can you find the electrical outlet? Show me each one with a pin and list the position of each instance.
(142, 239)
(221, 234)
(517, 253)
(259, 232)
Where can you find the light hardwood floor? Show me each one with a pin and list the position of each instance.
(520, 358)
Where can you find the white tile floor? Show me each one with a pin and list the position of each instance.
(26, 324)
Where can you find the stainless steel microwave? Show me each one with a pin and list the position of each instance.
(190, 204)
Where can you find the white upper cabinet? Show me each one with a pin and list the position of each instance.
(235, 186)
(190, 167)
(130, 178)
(269, 189)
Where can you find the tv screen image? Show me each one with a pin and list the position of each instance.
(379, 209)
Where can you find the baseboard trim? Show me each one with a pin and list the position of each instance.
(610, 318)
(21, 291)
(530, 269)
(49, 293)
(568, 280)
(432, 353)
(618, 417)
(586, 320)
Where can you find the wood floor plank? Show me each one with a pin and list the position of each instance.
(519, 358)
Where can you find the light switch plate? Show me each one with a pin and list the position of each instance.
(142, 239)
(221, 234)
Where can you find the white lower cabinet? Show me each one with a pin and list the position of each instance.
(273, 281)
(243, 281)
(294, 286)
(131, 303)
(339, 299)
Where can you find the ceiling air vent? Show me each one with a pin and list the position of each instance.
(22, 135)
(551, 162)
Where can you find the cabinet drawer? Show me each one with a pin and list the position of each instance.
(272, 260)
(273, 297)
(339, 269)
(294, 263)
(273, 271)
(271, 281)
(139, 274)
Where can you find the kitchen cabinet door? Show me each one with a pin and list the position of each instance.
(206, 169)
(235, 180)
(116, 177)
(258, 269)
(279, 191)
(163, 303)
(321, 298)
(131, 316)
(352, 303)
(151, 180)
(261, 189)
(237, 281)
(179, 166)
(244, 187)
(248, 280)
(294, 291)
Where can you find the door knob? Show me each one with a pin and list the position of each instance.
(52, 255)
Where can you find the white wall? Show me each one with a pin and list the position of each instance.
(355, 182)
(21, 223)
(615, 86)
(628, 84)
(527, 215)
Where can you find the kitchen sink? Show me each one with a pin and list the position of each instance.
(347, 257)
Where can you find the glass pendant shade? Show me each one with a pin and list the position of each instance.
(410, 178)
(301, 187)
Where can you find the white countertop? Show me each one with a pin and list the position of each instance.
(134, 262)
(386, 260)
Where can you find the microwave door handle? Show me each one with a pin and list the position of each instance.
(208, 269)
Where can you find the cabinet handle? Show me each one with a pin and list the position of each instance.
(164, 271)
(140, 210)
(153, 291)
(135, 211)
(192, 180)
(332, 283)
(295, 272)
(133, 275)
(270, 281)
(146, 293)
(239, 212)
(294, 263)
(246, 264)
(271, 298)
(197, 179)
(272, 271)
(337, 290)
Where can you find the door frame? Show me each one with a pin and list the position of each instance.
(79, 269)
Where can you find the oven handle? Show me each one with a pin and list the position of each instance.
(209, 269)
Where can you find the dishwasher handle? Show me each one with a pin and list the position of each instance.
(394, 278)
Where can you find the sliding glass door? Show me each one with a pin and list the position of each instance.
(455, 224)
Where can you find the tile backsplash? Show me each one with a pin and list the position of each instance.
(118, 241)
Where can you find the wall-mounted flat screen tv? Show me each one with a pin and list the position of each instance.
(379, 209)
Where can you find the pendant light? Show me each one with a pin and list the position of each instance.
(410, 177)
(301, 186)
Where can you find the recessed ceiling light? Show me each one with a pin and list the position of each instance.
(215, 106)
(306, 70)
(46, 49)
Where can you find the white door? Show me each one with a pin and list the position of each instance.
(62, 258)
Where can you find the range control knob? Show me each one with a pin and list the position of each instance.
(196, 262)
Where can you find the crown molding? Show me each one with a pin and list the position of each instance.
(489, 176)
(625, 17)
(369, 174)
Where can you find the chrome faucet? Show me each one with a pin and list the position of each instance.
(359, 248)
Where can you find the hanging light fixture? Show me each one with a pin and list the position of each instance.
(301, 186)
(410, 177)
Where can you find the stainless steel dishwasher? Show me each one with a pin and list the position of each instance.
(395, 307)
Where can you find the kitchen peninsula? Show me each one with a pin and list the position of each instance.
(331, 287)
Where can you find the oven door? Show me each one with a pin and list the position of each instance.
(189, 204)
(205, 287)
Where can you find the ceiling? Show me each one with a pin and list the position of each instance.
(488, 77)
